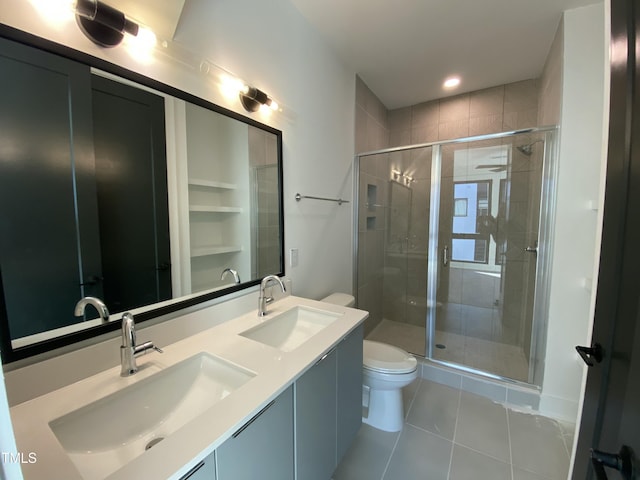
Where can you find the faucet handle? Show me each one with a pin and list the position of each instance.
(145, 347)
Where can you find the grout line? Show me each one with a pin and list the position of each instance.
(429, 432)
(506, 412)
(455, 431)
(386, 467)
(413, 399)
(565, 438)
(484, 454)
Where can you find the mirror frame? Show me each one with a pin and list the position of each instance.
(9, 354)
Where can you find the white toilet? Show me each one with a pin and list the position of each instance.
(385, 371)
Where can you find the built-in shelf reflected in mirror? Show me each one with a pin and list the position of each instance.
(133, 193)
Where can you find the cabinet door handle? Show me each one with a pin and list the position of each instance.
(325, 356)
(253, 419)
(191, 472)
(445, 256)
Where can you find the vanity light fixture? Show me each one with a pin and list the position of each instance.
(253, 99)
(106, 26)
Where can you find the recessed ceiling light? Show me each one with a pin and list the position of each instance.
(451, 82)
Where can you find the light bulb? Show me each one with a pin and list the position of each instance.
(265, 109)
(141, 46)
(146, 38)
(55, 12)
(231, 86)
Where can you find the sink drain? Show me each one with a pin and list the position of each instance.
(153, 442)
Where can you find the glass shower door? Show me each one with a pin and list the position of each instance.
(392, 245)
(487, 244)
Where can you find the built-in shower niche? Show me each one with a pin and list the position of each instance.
(372, 204)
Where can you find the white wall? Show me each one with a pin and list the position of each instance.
(575, 248)
(271, 46)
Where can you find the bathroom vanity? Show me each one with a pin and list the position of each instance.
(276, 397)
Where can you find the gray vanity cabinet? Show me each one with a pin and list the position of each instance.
(205, 470)
(316, 413)
(263, 447)
(329, 409)
(349, 390)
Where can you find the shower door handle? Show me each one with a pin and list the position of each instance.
(532, 248)
(445, 256)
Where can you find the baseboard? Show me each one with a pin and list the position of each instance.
(513, 395)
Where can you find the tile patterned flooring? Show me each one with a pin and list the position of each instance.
(450, 434)
(498, 358)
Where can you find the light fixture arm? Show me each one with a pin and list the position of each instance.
(253, 98)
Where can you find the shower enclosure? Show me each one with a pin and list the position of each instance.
(451, 257)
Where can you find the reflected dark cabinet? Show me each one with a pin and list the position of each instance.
(45, 136)
(131, 179)
(52, 230)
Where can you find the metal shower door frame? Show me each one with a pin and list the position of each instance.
(545, 237)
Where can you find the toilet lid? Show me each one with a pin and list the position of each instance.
(387, 358)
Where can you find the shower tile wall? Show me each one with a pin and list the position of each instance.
(470, 308)
(492, 110)
(372, 133)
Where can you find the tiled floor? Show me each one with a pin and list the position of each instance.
(497, 358)
(450, 434)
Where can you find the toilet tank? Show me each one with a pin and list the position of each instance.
(342, 299)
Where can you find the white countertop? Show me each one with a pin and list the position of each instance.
(179, 452)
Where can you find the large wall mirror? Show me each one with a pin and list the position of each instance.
(118, 187)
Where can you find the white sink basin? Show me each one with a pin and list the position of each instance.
(105, 435)
(292, 328)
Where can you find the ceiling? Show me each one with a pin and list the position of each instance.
(161, 15)
(404, 49)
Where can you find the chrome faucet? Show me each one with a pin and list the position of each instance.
(231, 271)
(265, 300)
(97, 303)
(129, 349)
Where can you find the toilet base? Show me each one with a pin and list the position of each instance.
(385, 410)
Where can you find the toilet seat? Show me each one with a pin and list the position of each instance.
(383, 358)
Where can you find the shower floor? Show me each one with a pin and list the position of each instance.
(498, 358)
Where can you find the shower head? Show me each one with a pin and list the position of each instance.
(528, 148)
